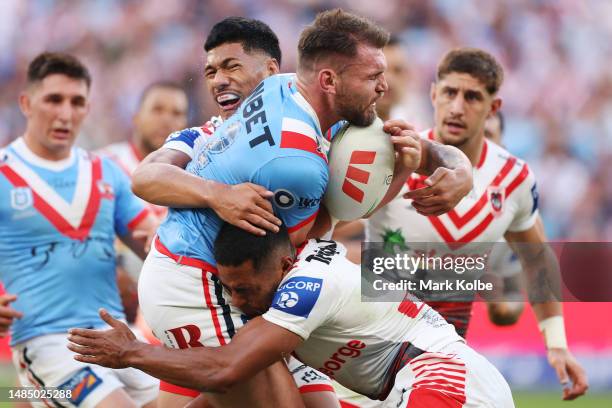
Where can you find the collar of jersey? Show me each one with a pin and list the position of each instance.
(22, 149)
(303, 103)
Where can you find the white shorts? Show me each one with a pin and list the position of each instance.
(350, 399)
(185, 305)
(45, 361)
(457, 377)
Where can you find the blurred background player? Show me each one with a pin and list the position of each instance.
(62, 208)
(503, 202)
(162, 109)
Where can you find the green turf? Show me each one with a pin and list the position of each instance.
(551, 400)
(521, 399)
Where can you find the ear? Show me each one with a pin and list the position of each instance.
(272, 66)
(432, 92)
(287, 263)
(25, 104)
(328, 81)
(495, 106)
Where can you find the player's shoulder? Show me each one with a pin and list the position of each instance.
(499, 156)
(192, 133)
(318, 256)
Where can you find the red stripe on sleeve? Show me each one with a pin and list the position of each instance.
(138, 218)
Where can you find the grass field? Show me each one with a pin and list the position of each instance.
(521, 399)
(551, 400)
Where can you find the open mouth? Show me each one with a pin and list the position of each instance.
(60, 133)
(228, 101)
(455, 126)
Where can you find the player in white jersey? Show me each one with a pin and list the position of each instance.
(61, 209)
(502, 204)
(402, 353)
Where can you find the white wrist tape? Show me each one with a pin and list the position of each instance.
(553, 330)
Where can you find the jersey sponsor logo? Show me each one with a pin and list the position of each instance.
(287, 300)
(21, 198)
(255, 113)
(298, 295)
(185, 336)
(334, 363)
(324, 253)
(305, 202)
(356, 174)
(284, 199)
(81, 384)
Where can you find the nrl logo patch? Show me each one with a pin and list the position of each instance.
(21, 198)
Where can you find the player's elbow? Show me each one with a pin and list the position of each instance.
(505, 313)
(142, 178)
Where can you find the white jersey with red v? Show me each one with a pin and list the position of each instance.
(504, 198)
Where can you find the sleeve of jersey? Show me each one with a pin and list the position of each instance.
(129, 209)
(298, 184)
(186, 140)
(303, 303)
(524, 186)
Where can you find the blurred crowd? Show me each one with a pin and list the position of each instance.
(557, 92)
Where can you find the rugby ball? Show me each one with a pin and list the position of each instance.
(361, 162)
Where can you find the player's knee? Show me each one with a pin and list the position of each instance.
(505, 313)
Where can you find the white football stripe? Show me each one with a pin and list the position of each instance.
(299, 126)
(303, 103)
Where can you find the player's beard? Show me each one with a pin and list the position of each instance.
(349, 109)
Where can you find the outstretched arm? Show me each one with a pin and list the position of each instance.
(543, 279)
(256, 346)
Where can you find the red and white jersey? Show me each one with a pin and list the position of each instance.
(359, 344)
(124, 154)
(503, 198)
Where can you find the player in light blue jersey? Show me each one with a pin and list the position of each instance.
(283, 121)
(60, 210)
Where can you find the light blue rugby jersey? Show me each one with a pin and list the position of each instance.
(58, 222)
(274, 140)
